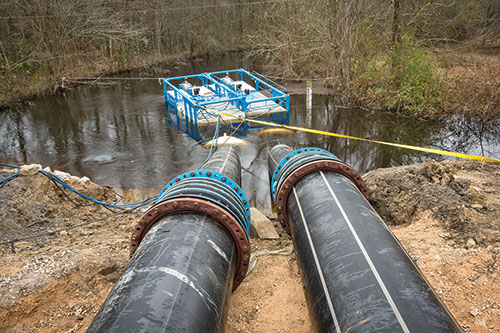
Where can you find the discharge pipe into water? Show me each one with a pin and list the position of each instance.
(356, 275)
(189, 251)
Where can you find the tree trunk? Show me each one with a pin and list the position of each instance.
(396, 25)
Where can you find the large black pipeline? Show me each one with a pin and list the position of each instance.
(189, 251)
(356, 275)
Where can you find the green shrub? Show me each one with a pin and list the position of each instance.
(405, 80)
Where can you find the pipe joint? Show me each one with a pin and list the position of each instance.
(299, 163)
(210, 193)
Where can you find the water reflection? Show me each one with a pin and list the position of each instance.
(457, 134)
(117, 135)
(469, 135)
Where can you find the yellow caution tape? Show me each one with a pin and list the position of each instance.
(308, 130)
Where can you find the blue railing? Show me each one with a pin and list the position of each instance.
(192, 101)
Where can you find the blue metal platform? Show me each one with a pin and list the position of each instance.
(198, 103)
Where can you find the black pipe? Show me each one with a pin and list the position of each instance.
(189, 251)
(226, 163)
(356, 275)
(277, 154)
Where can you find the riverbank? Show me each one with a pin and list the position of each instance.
(473, 81)
(431, 83)
(463, 82)
(25, 86)
(445, 214)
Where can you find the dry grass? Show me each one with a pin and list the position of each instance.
(473, 83)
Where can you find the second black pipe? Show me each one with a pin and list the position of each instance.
(356, 275)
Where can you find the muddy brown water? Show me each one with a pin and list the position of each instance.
(116, 133)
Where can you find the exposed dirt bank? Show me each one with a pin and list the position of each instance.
(58, 282)
(462, 195)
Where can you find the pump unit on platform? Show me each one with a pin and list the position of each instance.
(198, 103)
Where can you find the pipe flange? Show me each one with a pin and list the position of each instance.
(304, 170)
(217, 178)
(202, 206)
(294, 160)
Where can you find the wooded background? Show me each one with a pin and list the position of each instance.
(44, 40)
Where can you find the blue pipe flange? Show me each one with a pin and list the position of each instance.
(213, 186)
(293, 161)
(300, 163)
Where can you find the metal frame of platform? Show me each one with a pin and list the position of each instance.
(195, 102)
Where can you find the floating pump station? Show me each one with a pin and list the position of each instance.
(198, 103)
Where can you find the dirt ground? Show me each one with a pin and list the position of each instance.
(446, 215)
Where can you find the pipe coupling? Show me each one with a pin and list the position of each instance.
(210, 193)
(300, 163)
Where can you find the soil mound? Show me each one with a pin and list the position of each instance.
(463, 195)
(32, 202)
(60, 254)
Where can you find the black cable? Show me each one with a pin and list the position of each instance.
(68, 197)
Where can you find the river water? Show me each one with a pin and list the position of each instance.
(115, 133)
